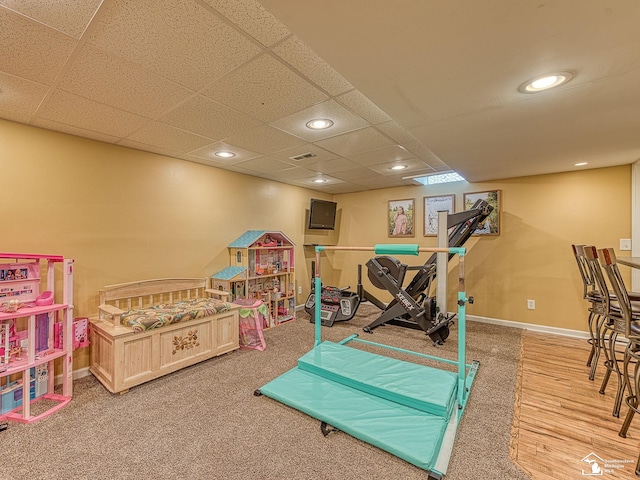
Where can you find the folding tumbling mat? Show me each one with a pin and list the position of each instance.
(409, 410)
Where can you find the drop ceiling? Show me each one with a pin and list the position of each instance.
(432, 85)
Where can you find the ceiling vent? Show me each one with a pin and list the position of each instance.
(302, 156)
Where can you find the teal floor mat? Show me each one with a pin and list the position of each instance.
(424, 388)
(349, 405)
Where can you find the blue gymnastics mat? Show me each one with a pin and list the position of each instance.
(401, 407)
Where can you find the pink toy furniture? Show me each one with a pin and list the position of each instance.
(28, 321)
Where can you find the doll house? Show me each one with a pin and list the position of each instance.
(29, 316)
(261, 268)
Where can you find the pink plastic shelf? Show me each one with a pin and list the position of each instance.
(24, 256)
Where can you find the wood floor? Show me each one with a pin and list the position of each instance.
(561, 420)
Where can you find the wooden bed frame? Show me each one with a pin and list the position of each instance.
(122, 358)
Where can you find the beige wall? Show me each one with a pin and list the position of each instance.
(531, 259)
(126, 215)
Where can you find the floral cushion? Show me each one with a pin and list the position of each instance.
(166, 314)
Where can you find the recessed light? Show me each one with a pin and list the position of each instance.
(399, 167)
(320, 180)
(319, 123)
(545, 82)
(580, 164)
(225, 154)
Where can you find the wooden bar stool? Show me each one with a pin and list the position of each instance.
(625, 320)
(612, 327)
(597, 306)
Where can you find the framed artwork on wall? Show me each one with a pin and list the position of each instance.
(400, 218)
(432, 205)
(491, 225)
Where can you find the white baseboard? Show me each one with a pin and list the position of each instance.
(566, 332)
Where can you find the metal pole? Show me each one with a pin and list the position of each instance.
(462, 332)
(442, 261)
(318, 297)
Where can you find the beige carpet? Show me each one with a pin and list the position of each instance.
(205, 423)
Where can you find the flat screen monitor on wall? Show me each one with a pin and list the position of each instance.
(322, 214)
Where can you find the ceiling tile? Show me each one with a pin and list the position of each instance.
(265, 140)
(361, 105)
(309, 181)
(426, 155)
(265, 89)
(77, 131)
(68, 16)
(178, 39)
(208, 118)
(20, 97)
(80, 112)
(251, 16)
(337, 188)
(395, 131)
(297, 54)
(343, 121)
(168, 138)
(318, 155)
(380, 182)
(208, 153)
(333, 166)
(385, 155)
(168, 152)
(264, 165)
(43, 50)
(113, 81)
(412, 164)
(294, 173)
(356, 174)
(353, 143)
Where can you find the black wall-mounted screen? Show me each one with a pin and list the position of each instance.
(322, 214)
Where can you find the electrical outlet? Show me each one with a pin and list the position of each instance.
(299, 290)
(625, 244)
(531, 304)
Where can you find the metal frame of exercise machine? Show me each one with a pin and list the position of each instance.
(411, 307)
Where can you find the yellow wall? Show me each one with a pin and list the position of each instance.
(126, 215)
(531, 259)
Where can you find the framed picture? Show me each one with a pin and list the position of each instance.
(491, 225)
(432, 205)
(400, 218)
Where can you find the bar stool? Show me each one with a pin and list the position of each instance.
(597, 307)
(624, 315)
(608, 334)
(628, 320)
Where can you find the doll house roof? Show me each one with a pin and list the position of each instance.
(228, 273)
(250, 237)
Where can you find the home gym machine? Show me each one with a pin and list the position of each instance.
(412, 307)
(336, 304)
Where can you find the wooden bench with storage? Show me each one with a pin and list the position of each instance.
(150, 328)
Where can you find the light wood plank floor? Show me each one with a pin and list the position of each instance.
(560, 418)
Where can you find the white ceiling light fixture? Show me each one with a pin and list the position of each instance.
(580, 164)
(545, 82)
(399, 167)
(225, 154)
(319, 124)
(320, 180)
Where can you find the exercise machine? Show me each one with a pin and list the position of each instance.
(336, 304)
(412, 306)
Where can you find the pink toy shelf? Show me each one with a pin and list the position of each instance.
(35, 333)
